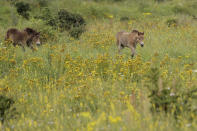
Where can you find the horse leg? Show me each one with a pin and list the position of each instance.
(132, 51)
(29, 42)
(120, 47)
(23, 47)
(14, 44)
(31, 46)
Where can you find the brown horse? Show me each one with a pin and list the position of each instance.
(26, 37)
(130, 40)
(34, 36)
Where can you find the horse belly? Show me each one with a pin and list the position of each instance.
(124, 43)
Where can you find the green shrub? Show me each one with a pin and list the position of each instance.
(47, 33)
(125, 18)
(75, 32)
(23, 9)
(48, 18)
(68, 20)
(5, 105)
(164, 98)
(64, 20)
(73, 23)
(172, 22)
(159, 98)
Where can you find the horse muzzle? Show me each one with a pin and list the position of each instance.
(38, 43)
(142, 44)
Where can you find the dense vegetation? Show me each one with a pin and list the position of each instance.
(77, 80)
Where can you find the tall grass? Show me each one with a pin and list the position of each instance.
(85, 84)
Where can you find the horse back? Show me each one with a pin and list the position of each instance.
(10, 32)
(123, 38)
(119, 34)
(15, 35)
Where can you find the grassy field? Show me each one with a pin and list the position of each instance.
(84, 84)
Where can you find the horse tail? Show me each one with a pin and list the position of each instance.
(7, 35)
(118, 35)
(117, 38)
(10, 33)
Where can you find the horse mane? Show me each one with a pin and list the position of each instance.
(30, 31)
(135, 31)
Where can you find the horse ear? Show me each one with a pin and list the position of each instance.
(135, 31)
(38, 33)
(140, 33)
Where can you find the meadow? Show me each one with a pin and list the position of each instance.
(84, 84)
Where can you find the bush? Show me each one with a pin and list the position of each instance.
(125, 18)
(159, 98)
(23, 9)
(172, 22)
(5, 105)
(73, 23)
(68, 20)
(47, 34)
(76, 32)
(164, 98)
(48, 18)
(64, 20)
